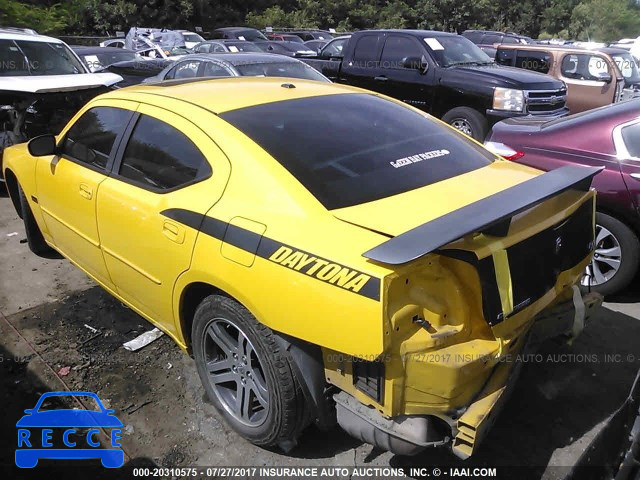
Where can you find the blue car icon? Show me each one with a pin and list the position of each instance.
(35, 432)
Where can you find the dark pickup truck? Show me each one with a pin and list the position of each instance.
(443, 74)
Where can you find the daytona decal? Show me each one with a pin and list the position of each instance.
(320, 268)
(284, 255)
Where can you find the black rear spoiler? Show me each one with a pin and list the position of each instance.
(491, 215)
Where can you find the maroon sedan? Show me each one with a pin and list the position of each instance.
(609, 137)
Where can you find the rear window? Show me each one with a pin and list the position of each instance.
(349, 149)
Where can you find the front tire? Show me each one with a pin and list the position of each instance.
(246, 374)
(615, 260)
(468, 121)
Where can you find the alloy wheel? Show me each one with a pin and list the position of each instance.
(606, 260)
(235, 372)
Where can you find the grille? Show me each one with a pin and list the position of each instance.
(544, 102)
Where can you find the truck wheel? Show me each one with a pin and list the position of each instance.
(468, 121)
(35, 240)
(246, 374)
(615, 260)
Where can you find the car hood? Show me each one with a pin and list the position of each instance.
(400, 213)
(58, 83)
(69, 418)
(500, 76)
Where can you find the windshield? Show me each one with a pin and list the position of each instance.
(242, 47)
(628, 67)
(22, 57)
(100, 60)
(284, 69)
(348, 149)
(192, 37)
(449, 51)
(250, 35)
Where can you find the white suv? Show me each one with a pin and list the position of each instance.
(43, 84)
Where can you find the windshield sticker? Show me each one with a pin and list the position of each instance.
(241, 37)
(419, 157)
(434, 43)
(233, 48)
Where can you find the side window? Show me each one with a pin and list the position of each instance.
(366, 50)
(205, 48)
(536, 61)
(91, 138)
(333, 49)
(508, 39)
(183, 70)
(491, 38)
(398, 48)
(631, 137)
(583, 66)
(475, 37)
(505, 57)
(213, 70)
(161, 157)
(217, 48)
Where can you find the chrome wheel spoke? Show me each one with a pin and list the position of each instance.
(612, 262)
(226, 377)
(217, 365)
(243, 401)
(601, 235)
(225, 341)
(609, 252)
(597, 274)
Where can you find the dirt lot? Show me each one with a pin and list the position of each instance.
(47, 307)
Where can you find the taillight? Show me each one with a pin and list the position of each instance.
(503, 150)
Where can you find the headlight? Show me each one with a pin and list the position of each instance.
(508, 99)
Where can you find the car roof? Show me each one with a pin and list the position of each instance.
(431, 33)
(242, 58)
(231, 93)
(82, 50)
(233, 29)
(546, 48)
(11, 35)
(612, 50)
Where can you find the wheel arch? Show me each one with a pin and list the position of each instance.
(307, 358)
(12, 187)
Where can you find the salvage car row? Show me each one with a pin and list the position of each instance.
(297, 269)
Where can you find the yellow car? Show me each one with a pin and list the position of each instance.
(324, 253)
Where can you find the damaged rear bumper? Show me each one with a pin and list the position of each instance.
(409, 434)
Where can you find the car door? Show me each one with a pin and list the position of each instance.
(627, 142)
(363, 69)
(165, 167)
(584, 89)
(68, 183)
(411, 85)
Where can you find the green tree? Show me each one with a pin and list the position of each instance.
(44, 19)
(604, 20)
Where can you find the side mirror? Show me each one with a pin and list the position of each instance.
(416, 63)
(604, 77)
(29, 411)
(42, 146)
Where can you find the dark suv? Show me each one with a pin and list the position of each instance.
(487, 39)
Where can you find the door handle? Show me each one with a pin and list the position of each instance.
(173, 231)
(381, 78)
(635, 176)
(86, 191)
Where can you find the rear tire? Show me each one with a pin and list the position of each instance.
(35, 240)
(247, 375)
(616, 246)
(468, 121)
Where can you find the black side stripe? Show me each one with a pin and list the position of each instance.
(262, 246)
